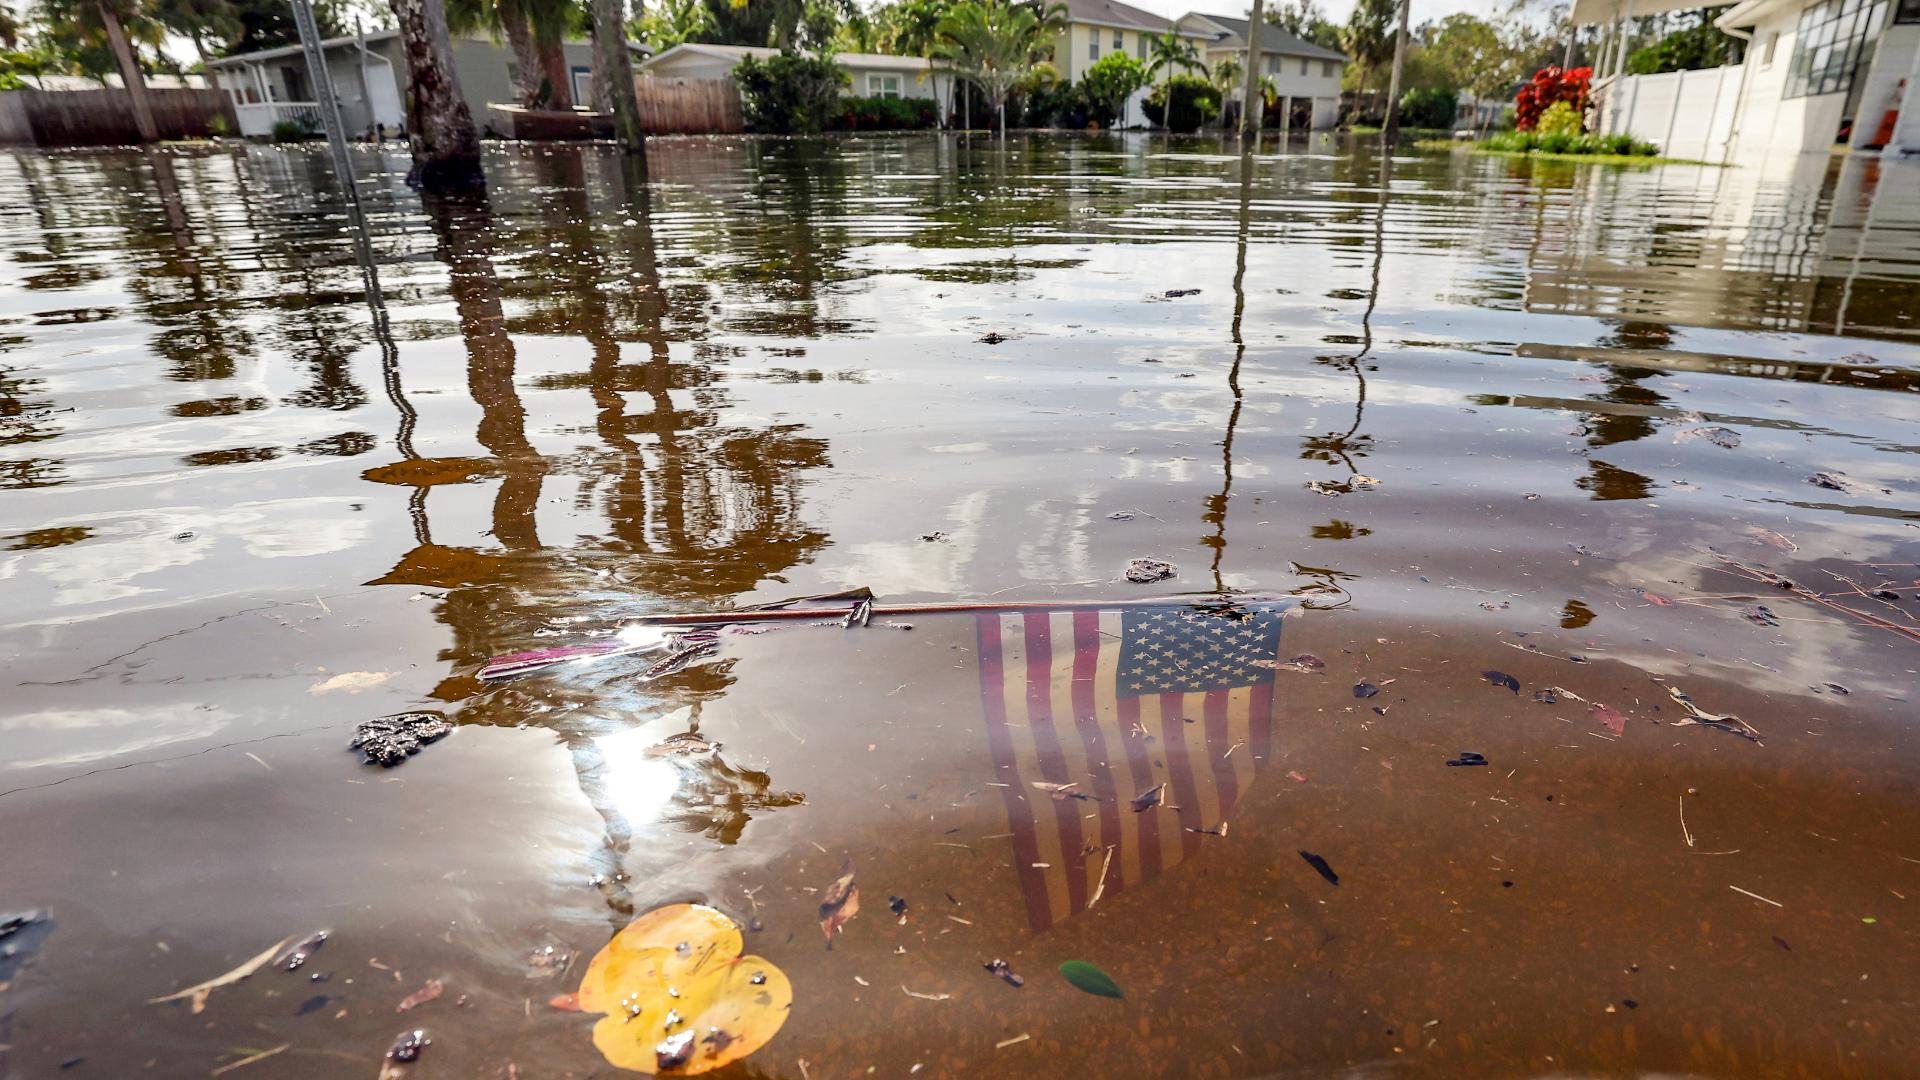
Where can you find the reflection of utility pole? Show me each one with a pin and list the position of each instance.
(1390, 131)
(1217, 505)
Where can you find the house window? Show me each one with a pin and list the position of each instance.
(883, 85)
(1273, 65)
(1773, 43)
(1093, 45)
(1326, 69)
(1829, 44)
(1303, 67)
(1907, 11)
(1119, 41)
(1140, 43)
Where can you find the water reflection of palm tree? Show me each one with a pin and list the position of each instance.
(1345, 446)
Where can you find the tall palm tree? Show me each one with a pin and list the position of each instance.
(446, 148)
(92, 20)
(991, 43)
(614, 72)
(1169, 51)
(912, 28)
(503, 19)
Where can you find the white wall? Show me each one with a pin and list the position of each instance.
(1687, 114)
(1893, 60)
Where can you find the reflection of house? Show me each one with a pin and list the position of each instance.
(1810, 73)
(1098, 27)
(369, 73)
(1301, 71)
(873, 74)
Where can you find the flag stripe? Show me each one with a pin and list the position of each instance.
(1000, 742)
(1086, 717)
(1121, 743)
(1219, 739)
(1053, 765)
(1173, 741)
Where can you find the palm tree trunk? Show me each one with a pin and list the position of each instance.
(446, 149)
(526, 58)
(610, 47)
(553, 63)
(130, 75)
(206, 64)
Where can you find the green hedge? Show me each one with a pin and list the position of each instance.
(1182, 103)
(883, 114)
(1560, 142)
(788, 92)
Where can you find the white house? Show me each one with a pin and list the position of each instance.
(369, 73)
(873, 74)
(1305, 75)
(1812, 74)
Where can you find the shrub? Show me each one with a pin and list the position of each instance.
(1108, 84)
(290, 131)
(1566, 142)
(1548, 85)
(1560, 118)
(1429, 108)
(788, 92)
(882, 114)
(1183, 103)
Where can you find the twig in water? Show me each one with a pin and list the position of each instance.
(1683, 821)
(1101, 888)
(1756, 896)
(245, 1061)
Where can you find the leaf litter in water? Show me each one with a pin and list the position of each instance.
(1725, 438)
(1091, 979)
(1364, 690)
(1501, 678)
(1319, 864)
(840, 903)
(1147, 799)
(199, 993)
(680, 998)
(1610, 716)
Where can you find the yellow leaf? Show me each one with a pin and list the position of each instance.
(679, 997)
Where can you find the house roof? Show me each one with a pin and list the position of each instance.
(294, 50)
(1114, 13)
(850, 61)
(1272, 38)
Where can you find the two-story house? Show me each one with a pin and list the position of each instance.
(1098, 27)
(1306, 76)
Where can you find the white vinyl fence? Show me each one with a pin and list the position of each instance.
(1687, 114)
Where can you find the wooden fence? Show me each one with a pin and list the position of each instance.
(105, 117)
(688, 106)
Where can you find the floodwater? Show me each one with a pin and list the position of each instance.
(264, 477)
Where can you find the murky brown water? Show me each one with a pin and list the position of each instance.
(1472, 415)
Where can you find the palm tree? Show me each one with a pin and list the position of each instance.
(991, 43)
(90, 20)
(508, 19)
(446, 149)
(1228, 73)
(614, 72)
(1168, 51)
(198, 20)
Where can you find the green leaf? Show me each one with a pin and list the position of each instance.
(1085, 976)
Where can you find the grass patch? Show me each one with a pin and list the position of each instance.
(1495, 147)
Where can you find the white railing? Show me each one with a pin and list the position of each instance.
(257, 121)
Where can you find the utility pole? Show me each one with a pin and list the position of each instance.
(1254, 112)
(1390, 131)
(324, 98)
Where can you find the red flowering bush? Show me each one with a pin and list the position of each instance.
(1549, 85)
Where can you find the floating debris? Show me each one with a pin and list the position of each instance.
(1501, 678)
(1148, 799)
(1466, 758)
(390, 740)
(1321, 866)
(198, 993)
(839, 903)
(1698, 715)
(301, 953)
(433, 989)
(1615, 721)
(1365, 690)
(1725, 438)
(1148, 571)
(999, 968)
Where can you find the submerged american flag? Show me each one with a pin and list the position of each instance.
(1116, 701)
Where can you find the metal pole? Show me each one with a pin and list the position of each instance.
(1253, 111)
(1390, 130)
(328, 104)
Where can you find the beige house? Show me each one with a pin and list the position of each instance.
(1305, 76)
(1098, 27)
(873, 74)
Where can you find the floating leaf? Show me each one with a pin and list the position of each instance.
(1320, 865)
(198, 994)
(679, 996)
(1772, 539)
(1365, 690)
(839, 903)
(1611, 717)
(1725, 438)
(1147, 799)
(1085, 976)
(433, 989)
(1501, 678)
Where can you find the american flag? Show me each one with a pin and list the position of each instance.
(1117, 701)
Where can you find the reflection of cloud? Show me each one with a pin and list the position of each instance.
(148, 729)
(891, 566)
(128, 547)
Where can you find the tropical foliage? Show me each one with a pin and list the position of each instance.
(1562, 142)
(1429, 108)
(788, 93)
(1108, 84)
(1689, 49)
(1548, 85)
(992, 44)
(882, 114)
(1183, 103)
(1170, 53)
